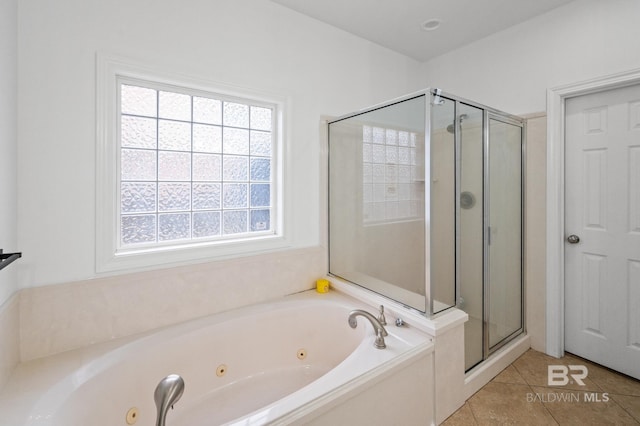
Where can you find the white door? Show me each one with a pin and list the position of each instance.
(602, 223)
(602, 208)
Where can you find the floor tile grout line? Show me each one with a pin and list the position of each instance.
(544, 406)
(624, 409)
(472, 413)
(518, 370)
(623, 394)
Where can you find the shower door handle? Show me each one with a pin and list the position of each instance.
(573, 239)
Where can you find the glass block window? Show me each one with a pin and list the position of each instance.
(193, 166)
(391, 175)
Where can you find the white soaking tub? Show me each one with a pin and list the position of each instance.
(292, 361)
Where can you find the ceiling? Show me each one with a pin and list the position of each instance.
(397, 24)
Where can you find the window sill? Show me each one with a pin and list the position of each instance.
(131, 260)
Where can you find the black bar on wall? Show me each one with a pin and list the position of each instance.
(7, 258)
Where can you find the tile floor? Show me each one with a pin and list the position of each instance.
(520, 395)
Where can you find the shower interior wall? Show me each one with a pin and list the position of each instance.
(392, 265)
(396, 254)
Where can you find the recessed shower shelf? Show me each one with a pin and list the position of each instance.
(8, 258)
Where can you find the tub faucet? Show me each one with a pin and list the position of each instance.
(379, 328)
(167, 393)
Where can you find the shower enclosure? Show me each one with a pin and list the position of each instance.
(426, 208)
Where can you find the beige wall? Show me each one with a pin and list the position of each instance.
(9, 337)
(57, 318)
(396, 254)
(535, 224)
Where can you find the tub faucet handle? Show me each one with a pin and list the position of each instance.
(379, 328)
(381, 317)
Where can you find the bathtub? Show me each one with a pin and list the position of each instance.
(292, 361)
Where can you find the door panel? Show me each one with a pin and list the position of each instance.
(471, 232)
(505, 231)
(602, 207)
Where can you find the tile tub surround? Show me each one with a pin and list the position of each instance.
(66, 384)
(58, 318)
(9, 338)
(535, 224)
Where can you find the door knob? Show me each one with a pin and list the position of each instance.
(573, 239)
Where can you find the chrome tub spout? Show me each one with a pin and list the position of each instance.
(379, 328)
(167, 393)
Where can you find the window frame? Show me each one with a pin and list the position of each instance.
(111, 256)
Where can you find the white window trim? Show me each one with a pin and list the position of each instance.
(108, 257)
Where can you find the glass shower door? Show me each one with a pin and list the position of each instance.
(504, 257)
(471, 236)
